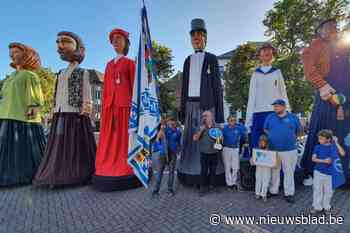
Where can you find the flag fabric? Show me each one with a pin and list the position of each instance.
(338, 178)
(145, 114)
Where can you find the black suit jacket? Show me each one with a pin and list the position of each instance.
(211, 93)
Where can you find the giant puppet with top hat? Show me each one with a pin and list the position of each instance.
(201, 90)
(112, 169)
(327, 67)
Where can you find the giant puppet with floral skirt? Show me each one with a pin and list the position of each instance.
(70, 153)
(112, 169)
(327, 67)
(22, 140)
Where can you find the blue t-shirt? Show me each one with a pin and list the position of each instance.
(173, 137)
(232, 135)
(159, 146)
(282, 131)
(324, 152)
(243, 128)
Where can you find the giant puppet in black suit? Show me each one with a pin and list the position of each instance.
(201, 90)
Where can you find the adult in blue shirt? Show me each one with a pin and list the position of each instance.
(232, 134)
(282, 129)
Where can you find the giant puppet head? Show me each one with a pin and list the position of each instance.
(120, 41)
(198, 34)
(328, 29)
(70, 47)
(23, 57)
(266, 53)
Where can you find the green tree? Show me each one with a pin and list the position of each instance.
(47, 81)
(163, 57)
(237, 76)
(291, 25)
(1, 83)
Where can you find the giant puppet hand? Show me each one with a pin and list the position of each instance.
(86, 109)
(32, 112)
(326, 92)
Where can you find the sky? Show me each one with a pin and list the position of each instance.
(37, 22)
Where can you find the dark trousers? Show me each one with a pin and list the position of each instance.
(162, 162)
(209, 163)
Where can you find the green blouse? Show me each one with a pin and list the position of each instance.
(20, 90)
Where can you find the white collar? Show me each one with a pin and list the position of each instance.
(73, 65)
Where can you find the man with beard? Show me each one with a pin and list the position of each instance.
(327, 67)
(70, 153)
(282, 129)
(201, 91)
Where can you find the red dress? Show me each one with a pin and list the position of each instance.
(112, 151)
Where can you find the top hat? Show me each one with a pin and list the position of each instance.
(198, 25)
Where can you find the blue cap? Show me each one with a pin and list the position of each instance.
(279, 102)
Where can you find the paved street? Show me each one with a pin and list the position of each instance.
(81, 209)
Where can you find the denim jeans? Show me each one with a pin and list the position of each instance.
(162, 162)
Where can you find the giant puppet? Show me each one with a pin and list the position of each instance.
(266, 86)
(327, 67)
(70, 153)
(201, 90)
(112, 169)
(22, 140)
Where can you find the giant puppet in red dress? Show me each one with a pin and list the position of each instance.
(112, 169)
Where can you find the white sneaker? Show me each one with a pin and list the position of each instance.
(308, 181)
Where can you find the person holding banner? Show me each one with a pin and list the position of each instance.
(160, 155)
(201, 91)
(282, 129)
(324, 156)
(112, 169)
(327, 67)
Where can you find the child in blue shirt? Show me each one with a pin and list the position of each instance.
(323, 156)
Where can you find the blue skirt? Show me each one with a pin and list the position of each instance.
(22, 146)
(257, 128)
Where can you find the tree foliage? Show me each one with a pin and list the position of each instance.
(237, 76)
(291, 25)
(1, 83)
(163, 58)
(47, 81)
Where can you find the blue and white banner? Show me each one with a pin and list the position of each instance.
(145, 114)
(338, 178)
